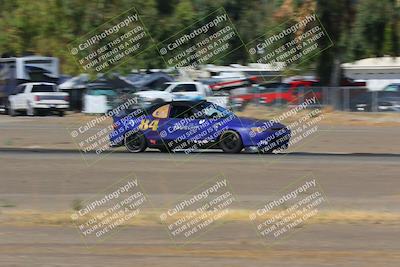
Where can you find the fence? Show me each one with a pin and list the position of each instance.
(338, 98)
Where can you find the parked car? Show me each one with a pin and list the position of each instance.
(33, 98)
(394, 87)
(276, 94)
(347, 82)
(241, 97)
(188, 125)
(18, 70)
(384, 101)
(179, 91)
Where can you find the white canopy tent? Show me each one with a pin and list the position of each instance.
(377, 72)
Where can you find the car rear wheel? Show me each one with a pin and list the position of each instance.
(31, 111)
(135, 142)
(11, 111)
(230, 142)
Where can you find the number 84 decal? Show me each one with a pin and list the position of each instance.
(146, 124)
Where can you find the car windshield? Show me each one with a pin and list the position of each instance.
(392, 88)
(211, 110)
(102, 91)
(163, 87)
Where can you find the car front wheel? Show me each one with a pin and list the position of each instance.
(230, 142)
(135, 142)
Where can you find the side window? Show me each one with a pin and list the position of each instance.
(177, 88)
(184, 88)
(278, 87)
(19, 89)
(181, 112)
(285, 87)
(299, 89)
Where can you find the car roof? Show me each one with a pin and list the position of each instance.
(177, 103)
(188, 82)
(38, 83)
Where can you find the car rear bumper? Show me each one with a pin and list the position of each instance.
(51, 106)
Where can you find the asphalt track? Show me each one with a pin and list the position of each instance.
(50, 180)
(360, 181)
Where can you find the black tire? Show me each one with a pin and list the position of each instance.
(231, 142)
(61, 113)
(135, 142)
(31, 111)
(12, 112)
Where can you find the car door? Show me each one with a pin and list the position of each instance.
(186, 91)
(18, 97)
(213, 121)
(180, 127)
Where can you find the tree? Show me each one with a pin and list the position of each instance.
(358, 29)
(376, 31)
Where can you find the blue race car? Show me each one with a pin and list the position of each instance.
(192, 125)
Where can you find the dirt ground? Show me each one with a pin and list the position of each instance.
(234, 245)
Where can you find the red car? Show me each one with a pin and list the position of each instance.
(275, 93)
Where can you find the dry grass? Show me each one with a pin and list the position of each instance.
(151, 217)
